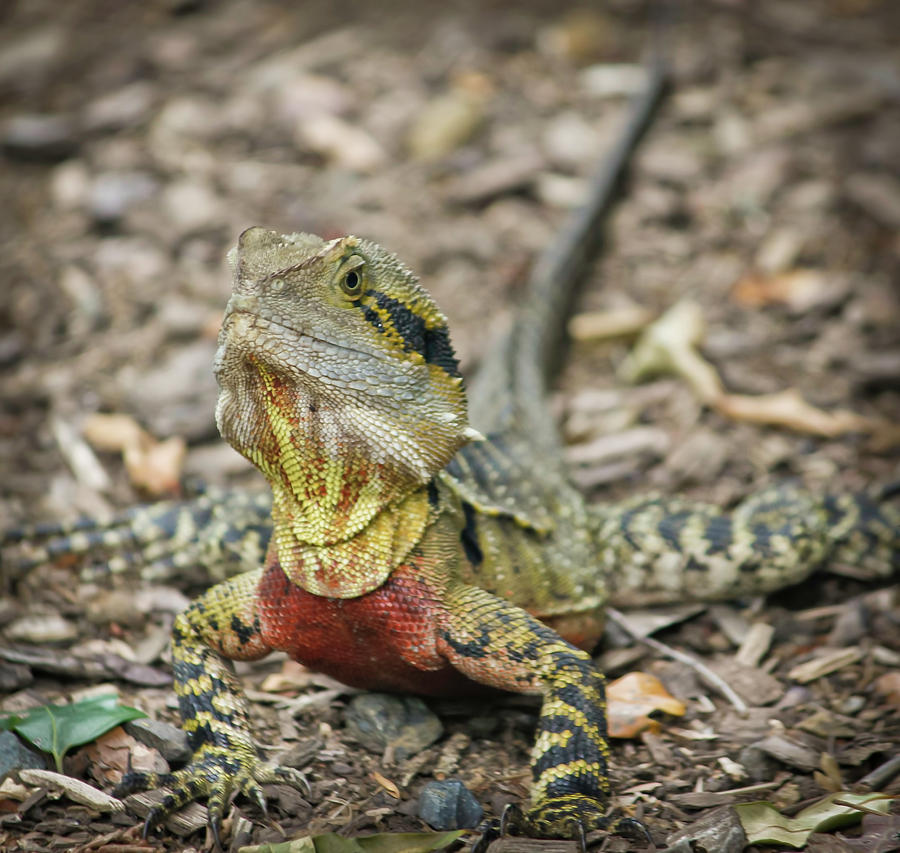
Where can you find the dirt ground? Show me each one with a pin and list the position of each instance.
(139, 139)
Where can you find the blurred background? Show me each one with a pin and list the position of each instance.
(138, 140)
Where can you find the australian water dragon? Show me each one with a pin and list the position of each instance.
(402, 550)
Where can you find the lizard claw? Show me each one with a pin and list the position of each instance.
(215, 774)
(569, 816)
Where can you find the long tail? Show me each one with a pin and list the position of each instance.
(207, 538)
(509, 393)
(662, 549)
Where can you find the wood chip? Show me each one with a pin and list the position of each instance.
(186, 821)
(790, 752)
(828, 661)
(755, 644)
(752, 684)
(629, 442)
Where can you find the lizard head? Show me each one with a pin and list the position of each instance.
(334, 345)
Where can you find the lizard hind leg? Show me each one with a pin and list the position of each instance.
(219, 627)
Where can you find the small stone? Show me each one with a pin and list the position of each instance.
(449, 805)
(125, 107)
(192, 206)
(611, 80)
(177, 396)
(70, 184)
(570, 140)
(759, 767)
(41, 137)
(113, 193)
(170, 741)
(344, 144)
(15, 756)
(718, 830)
(14, 676)
(405, 724)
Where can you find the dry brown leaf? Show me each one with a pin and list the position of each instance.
(888, 686)
(156, 468)
(798, 289)
(112, 755)
(387, 784)
(632, 698)
(153, 466)
(668, 346)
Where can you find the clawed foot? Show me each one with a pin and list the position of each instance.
(213, 773)
(571, 816)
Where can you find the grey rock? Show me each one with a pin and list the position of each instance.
(39, 136)
(404, 723)
(14, 676)
(718, 831)
(113, 193)
(759, 767)
(170, 741)
(449, 805)
(15, 756)
(178, 395)
(125, 107)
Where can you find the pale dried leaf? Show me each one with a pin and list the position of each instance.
(74, 789)
(668, 346)
(755, 644)
(84, 463)
(788, 409)
(602, 325)
(113, 433)
(387, 784)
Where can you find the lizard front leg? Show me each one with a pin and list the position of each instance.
(220, 626)
(496, 643)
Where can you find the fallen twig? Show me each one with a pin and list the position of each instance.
(700, 668)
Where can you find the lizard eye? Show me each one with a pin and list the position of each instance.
(351, 276)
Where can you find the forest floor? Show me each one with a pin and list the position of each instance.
(138, 140)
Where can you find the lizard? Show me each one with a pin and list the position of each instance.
(400, 549)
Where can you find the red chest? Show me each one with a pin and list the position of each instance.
(384, 640)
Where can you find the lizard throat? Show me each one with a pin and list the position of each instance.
(341, 522)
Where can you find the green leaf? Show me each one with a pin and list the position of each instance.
(57, 728)
(763, 824)
(407, 842)
(9, 722)
(383, 842)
